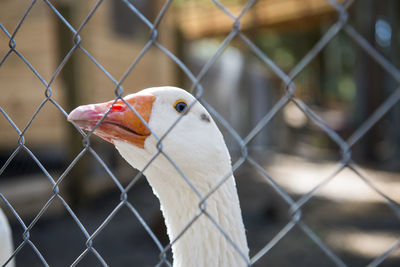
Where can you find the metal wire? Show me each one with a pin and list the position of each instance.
(341, 25)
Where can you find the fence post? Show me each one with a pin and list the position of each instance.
(368, 79)
(71, 79)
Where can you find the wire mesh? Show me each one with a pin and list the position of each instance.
(346, 161)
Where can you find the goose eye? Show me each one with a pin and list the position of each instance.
(180, 106)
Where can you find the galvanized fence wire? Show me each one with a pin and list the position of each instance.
(295, 213)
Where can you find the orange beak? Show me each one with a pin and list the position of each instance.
(121, 123)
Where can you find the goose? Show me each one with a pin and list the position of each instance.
(197, 147)
(6, 241)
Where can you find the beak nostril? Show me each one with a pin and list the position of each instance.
(117, 108)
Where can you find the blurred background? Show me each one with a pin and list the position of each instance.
(343, 85)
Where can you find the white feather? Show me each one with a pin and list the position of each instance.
(197, 147)
(6, 242)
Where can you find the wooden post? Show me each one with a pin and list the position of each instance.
(369, 79)
(72, 81)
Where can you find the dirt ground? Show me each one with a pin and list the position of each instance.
(346, 214)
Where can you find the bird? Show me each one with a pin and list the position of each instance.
(6, 242)
(195, 148)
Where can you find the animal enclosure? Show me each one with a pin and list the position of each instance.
(318, 179)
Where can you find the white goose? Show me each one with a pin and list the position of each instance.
(196, 145)
(6, 241)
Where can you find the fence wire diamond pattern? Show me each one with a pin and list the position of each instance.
(346, 161)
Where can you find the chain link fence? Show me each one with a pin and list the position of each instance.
(289, 88)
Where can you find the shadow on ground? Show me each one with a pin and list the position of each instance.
(124, 242)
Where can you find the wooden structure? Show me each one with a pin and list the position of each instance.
(198, 19)
(38, 40)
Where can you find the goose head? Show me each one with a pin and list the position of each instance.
(194, 144)
(182, 153)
